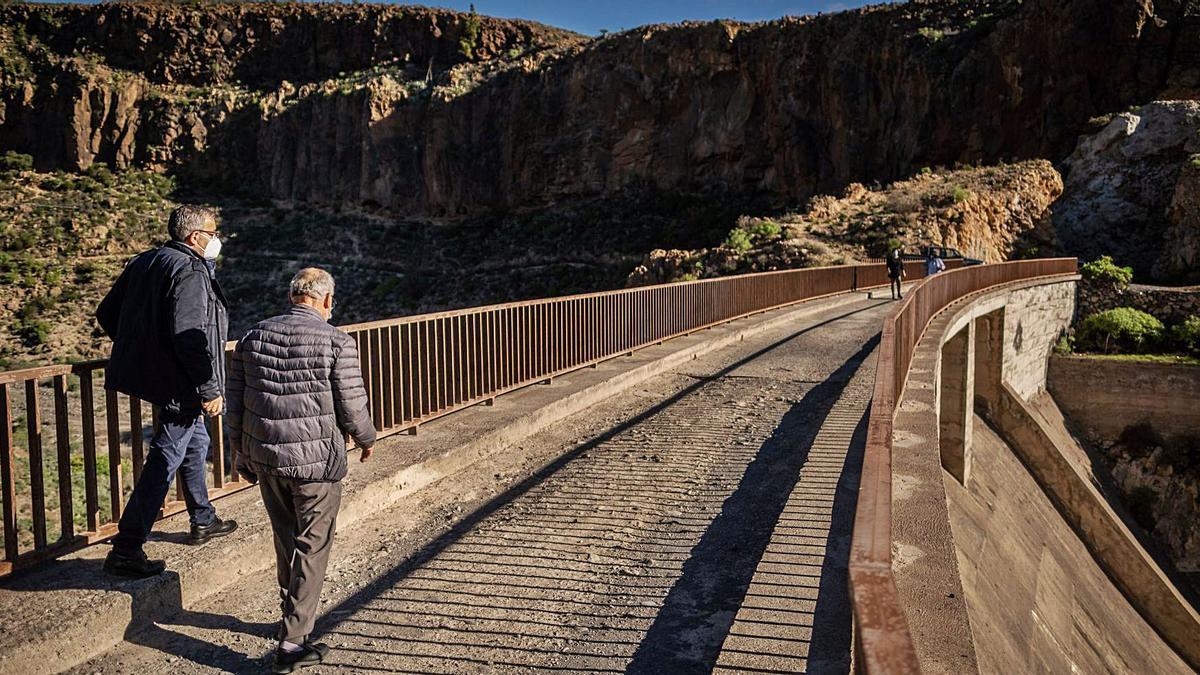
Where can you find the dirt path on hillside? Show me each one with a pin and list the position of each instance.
(641, 536)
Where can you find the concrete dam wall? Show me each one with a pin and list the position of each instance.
(1046, 575)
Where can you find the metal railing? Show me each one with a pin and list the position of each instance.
(882, 642)
(81, 459)
(416, 369)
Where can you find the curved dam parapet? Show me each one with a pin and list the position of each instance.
(1008, 554)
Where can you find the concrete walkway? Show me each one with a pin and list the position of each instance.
(795, 612)
(663, 530)
(636, 554)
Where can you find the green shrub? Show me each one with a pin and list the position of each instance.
(1120, 330)
(15, 161)
(960, 194)
(1065, 345)
(1105, 270)
(387, 288)
(21, 240)
(102, 174)
(87, 270)
(470, 37)
(34, 332)
(1187, 335)
(738, 240)
(765, 229)
(932, 34)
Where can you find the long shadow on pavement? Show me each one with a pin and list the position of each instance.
(827, 395)
(166, 607)
(687, 634)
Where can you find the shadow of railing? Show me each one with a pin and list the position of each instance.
(457, 578)
(702, 603)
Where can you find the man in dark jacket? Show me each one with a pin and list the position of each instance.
(895, 266)
(295, 391)
(167, 319)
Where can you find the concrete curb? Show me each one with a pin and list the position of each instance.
(94, 628)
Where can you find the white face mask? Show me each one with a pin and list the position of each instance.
(212, 249)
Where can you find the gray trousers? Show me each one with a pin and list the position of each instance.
(304, 516)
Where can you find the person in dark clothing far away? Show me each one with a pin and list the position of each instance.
(933, 262)
(168, 321)
(895, 267)
(295, 392)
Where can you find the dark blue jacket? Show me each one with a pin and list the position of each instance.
(168, 320)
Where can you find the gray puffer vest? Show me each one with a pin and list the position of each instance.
(295, 389)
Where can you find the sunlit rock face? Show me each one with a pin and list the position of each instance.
(1131, 191)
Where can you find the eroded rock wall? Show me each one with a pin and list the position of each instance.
(261, 45)
(782, 109)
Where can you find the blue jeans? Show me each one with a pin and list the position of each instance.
(181, 444)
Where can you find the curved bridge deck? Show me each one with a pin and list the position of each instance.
(700, 521)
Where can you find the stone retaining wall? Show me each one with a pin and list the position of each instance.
(1171, 305)
(1034, 319)
(1103, 397)
(1144, 421)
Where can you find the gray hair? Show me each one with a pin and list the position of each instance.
(187, 219)
(312, 282)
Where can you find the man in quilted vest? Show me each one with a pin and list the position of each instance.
(295, 392)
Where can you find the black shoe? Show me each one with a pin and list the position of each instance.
(319, 647)
(286, 662)
(217, 528)
(135, 566)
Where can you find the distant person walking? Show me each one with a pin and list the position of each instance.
(895, 266)
(933, 262)
(168, 319)
(295, 391)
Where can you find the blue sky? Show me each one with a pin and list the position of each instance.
(589, 17)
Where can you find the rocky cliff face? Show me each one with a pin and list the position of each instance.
(263, 44)
(1132, 190)
(210, 95)
(1181, 254)
(430, 112)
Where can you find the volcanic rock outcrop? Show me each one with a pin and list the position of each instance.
(1132, 191)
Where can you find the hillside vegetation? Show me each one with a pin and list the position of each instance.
(993, 213)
